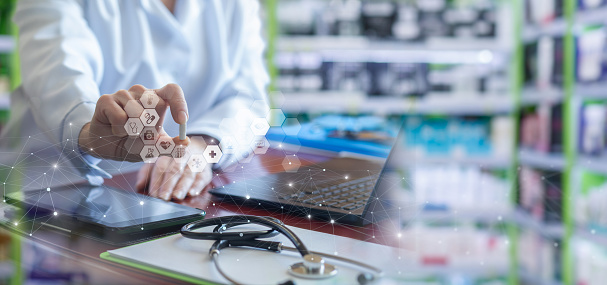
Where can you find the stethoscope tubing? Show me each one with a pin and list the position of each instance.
(250, 239)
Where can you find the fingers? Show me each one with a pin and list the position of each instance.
(113, 114)
(202, 180)
(143, 177)
(173, 95)
(170, 179)
(185, 183)
(157, 178)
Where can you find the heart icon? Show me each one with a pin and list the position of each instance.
(165, 144)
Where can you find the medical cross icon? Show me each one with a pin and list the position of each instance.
(212, 154)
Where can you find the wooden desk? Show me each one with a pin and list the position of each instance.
(80, 256)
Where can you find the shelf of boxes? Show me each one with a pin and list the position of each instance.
(7, 43)
(528, 278)
(599, 238)
(531, 32)
(523, 219)
(591, 16)
(547, 161)
(591, 91)
(433, 103)
(593, 163)
(487, 216)
(364, 49)
(533, 96)
(491, 162)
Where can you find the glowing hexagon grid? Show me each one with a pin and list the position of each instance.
(133, 126)
(260, 145)
(149, 135)
(197, 162)
(180, 154)
(260, 107)
(245, 157)
(149, 99)
(276, 117)
(165, 145)
(133, 109)
(260, 126)
(212, 153)
(149, 117)
(291, 127)
(149, 154)
(291, 163)
(228, 145)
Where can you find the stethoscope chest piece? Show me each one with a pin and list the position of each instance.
(313, 267)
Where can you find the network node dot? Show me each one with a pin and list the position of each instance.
(141, 203)
(55, 213)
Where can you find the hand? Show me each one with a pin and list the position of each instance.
(106, 137)
(168, 178)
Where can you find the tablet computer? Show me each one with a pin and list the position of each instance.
(100, 212)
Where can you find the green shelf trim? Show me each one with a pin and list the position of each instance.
(569, 131)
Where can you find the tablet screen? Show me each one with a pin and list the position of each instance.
(104, 205)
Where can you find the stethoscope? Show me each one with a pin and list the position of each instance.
(313, 265)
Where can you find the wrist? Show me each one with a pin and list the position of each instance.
(84, 141)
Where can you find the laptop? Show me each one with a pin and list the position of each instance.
(341, 190)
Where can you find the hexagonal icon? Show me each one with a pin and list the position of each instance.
(291, 163)
(133, 145)
(149, 117)
(291, 127)
(260, 145)
(260, 108)
(181, 153)
(133, 109)
(149, 135)
(291, 146)
(277, 98)
(245, 157)
(228, 145)
(260, 126)
(165, 145)
(133, 126)
(244, 135)
(197, 163)
(244, 117)
(149, 154)
(276, 117)
(212, 153)
(227, 126)
(149, 99)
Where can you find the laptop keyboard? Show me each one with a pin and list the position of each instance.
(349, 195)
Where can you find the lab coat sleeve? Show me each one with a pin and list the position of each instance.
(61, 67)
(247, 86)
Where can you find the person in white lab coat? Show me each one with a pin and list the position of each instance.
(204, 58)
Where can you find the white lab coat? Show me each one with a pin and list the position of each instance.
(72, 51)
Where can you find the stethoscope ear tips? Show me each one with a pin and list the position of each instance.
(365, 278)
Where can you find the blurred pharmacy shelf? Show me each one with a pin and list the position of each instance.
(362, 43)
(532, 96)
(7, 43)
(364, 49)
(432, 103)
(597, 237)
(593, 163)
(594, 16)
(548, 230)
(475, 215)
(492, 162)
(528, 278)
(546, 161)
(555, 28)
(591, 90)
